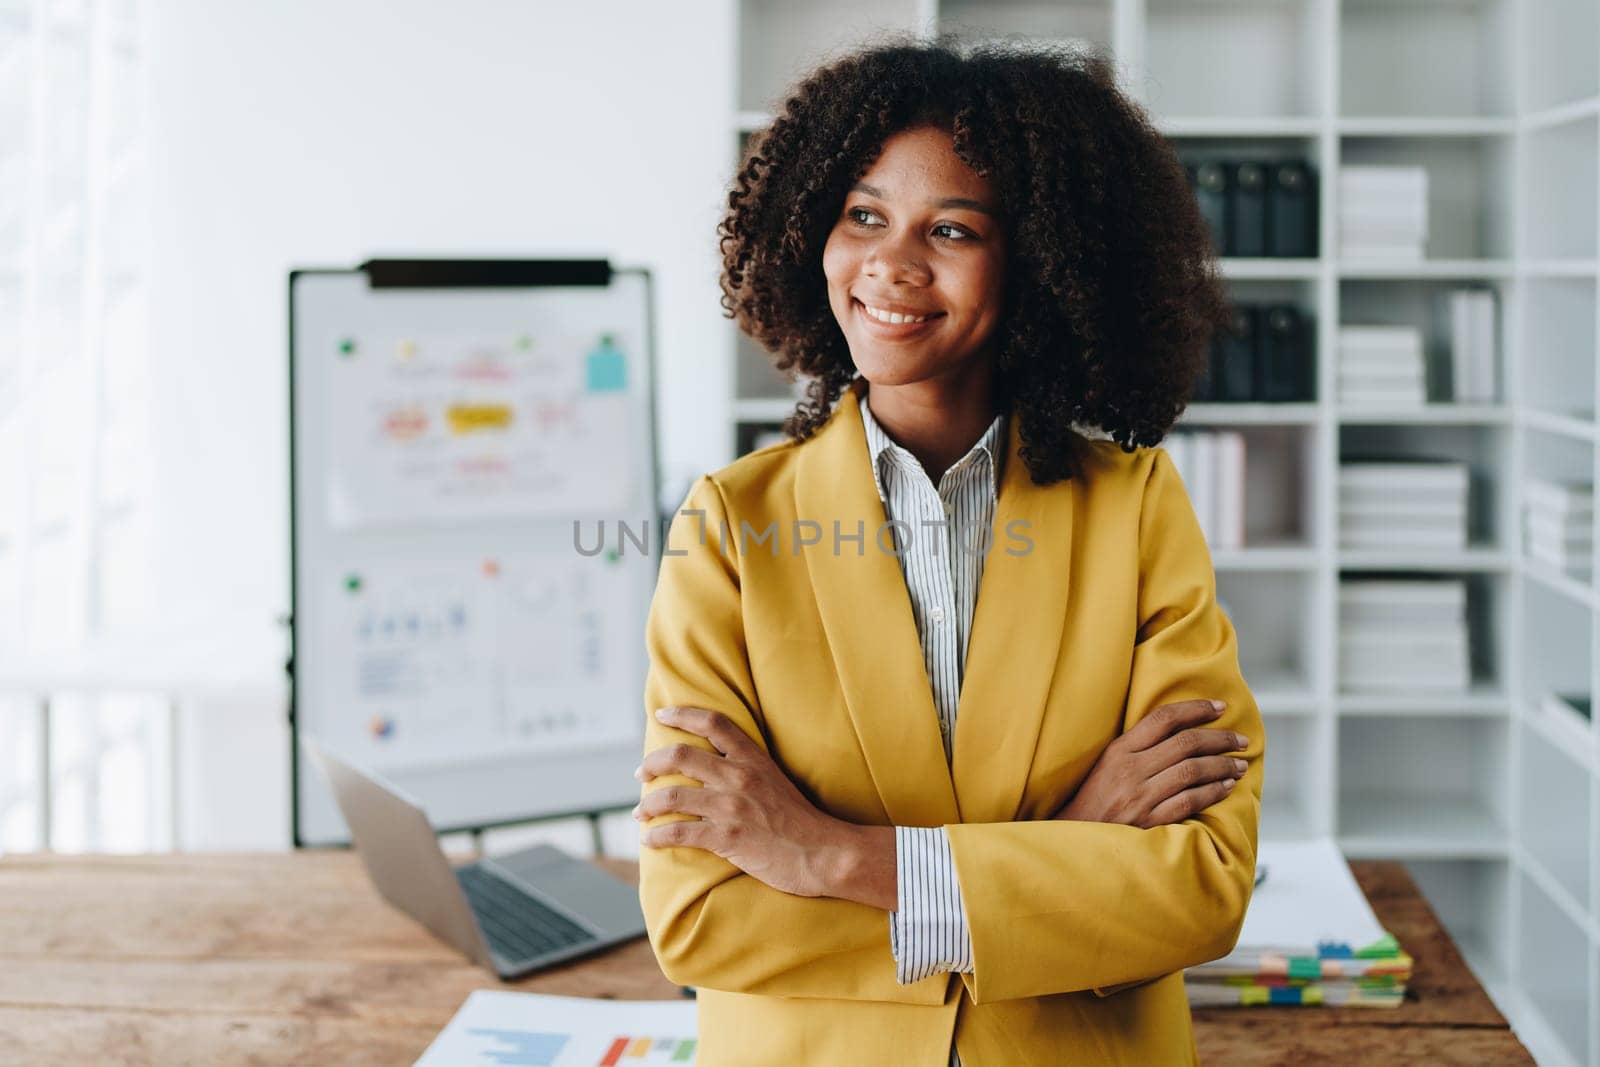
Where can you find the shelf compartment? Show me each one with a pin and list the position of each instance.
(1074, 23)
(1423, 786)
(1488, 649)
(1554, 457)
(1559, 179)
(1558, 348)
(1251, 58)
(1269, 152)
(1482, 448)
(1280, 462)
(1557, 635)
(1296, 777)
(781, 42)
(1271, 612)
(1561, 41)
(1553, 957)
(1469, 180)
(1415, 304)
(1472, 900)
(1556, 827)
(1417, 58)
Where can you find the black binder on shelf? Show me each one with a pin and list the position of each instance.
(1234, 375)
(1248, 212)
(1291, 210)
(1284, 363)
(1210, 181)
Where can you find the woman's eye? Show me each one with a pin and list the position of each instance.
(956, 233)
(856, 214)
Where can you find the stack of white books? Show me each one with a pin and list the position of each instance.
(1419, 505)
(1381, 366)
(1212, 466)
(1558, 522)
(1383, 212)
(1403, 634)
(1465, 320)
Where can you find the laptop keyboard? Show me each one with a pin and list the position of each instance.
(517, 925)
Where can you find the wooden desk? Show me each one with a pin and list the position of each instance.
(292, 958)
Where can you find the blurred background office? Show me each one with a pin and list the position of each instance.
(1393, 454)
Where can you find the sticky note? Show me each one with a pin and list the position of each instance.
(605, 369)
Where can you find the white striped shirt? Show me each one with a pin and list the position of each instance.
(942, 546)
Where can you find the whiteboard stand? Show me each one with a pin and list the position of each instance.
(459, 429)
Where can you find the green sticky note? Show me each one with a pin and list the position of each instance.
(353, 583)
(347, 346)
(1384, 946)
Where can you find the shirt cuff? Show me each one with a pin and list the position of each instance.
(928, 929)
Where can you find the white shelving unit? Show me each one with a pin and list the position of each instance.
(1494, 805)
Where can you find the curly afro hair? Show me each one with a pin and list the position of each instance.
(1111, 289)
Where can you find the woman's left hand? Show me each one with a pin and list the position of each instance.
(749, 812)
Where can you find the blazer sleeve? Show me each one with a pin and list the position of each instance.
(1060, 906)
(709, 923)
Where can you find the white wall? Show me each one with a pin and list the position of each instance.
(297, 133)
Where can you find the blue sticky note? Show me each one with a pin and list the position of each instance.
(605, 369)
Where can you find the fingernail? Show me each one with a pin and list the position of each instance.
(1218, 705)
(1241, 740)
(1227, 784)
(1239, 765)
(636, 811)
(663, 714)
(638, 772)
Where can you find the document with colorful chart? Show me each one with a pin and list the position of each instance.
(531, 1030)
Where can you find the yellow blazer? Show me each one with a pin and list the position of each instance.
(1079, 930)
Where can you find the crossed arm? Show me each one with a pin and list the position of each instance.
(748, 887)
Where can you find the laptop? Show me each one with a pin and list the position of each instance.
(512, 914)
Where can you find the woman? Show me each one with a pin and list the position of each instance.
(889, 819)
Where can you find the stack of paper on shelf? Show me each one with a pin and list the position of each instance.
(1309, 937)
(1404, 634)
(1212, 466)
(1381, 366)
(1559, 524)
(1383, 212)
(1403, 505)
(1465, 320)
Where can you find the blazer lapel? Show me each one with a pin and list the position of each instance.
(1014, 644)
(866, 612)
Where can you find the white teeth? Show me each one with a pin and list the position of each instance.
(891, 316)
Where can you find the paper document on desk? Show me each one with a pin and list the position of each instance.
(1309, 937)
(496, 1028)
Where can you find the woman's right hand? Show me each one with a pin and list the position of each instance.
(1164, 770)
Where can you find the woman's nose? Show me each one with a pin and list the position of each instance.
(896, 259)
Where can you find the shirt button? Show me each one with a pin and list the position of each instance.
(949, 508)
(937, 615)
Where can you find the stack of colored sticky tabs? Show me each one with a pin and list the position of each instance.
(1309, 937)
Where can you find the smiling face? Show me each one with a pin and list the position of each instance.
(915, 265)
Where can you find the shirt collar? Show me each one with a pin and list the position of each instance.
(883, 451)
